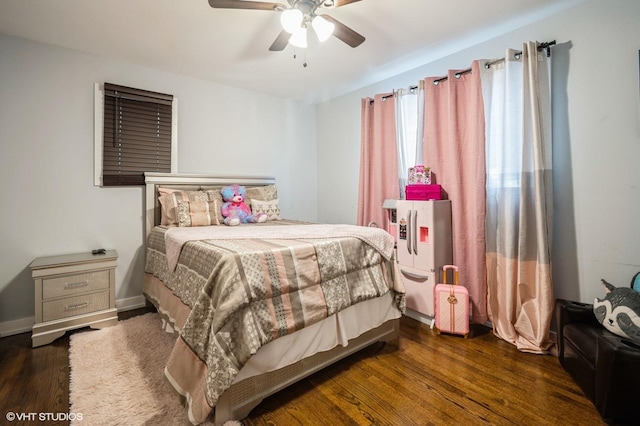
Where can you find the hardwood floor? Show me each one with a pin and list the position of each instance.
(434, 380)
(423, 379)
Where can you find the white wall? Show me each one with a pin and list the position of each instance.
(49, 204)
(596, 140)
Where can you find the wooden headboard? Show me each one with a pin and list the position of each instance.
(188, 182)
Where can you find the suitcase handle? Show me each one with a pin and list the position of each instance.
(445, 268)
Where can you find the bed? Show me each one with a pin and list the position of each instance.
(258, 307)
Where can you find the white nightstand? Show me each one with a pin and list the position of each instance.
(73, 291)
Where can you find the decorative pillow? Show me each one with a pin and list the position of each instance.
(214, 195)
(164, 219)
(271, 208)
(619, 311)
(169, 204)
(266, 193)
(198, 213)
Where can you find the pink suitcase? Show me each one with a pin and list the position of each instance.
(451, 305)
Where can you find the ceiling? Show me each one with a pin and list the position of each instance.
(231, 47)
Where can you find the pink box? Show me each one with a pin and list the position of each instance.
(419, 175)
(423, 192)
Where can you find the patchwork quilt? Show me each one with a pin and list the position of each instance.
(265, 281)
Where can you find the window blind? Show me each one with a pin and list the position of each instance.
(137, 134)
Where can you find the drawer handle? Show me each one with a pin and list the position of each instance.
(76, 306)
(77, 284)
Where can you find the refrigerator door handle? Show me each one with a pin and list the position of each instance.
(409, 231)
(415, 232)
(416, 276)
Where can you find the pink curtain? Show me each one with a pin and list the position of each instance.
(454, 147)
(378, 159)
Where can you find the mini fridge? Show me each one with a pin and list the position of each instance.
(424, 246)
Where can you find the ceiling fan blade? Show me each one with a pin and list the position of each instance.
(344, 33)
(280, 42)
(338, 3)
(241, 4)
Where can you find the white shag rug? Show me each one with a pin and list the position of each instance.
(117, 376)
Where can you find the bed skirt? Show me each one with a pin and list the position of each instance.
(287, 359)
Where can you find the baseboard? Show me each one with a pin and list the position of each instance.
(419, 316)
(131, 303)
(24, 325)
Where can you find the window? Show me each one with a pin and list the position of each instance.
(136, 132)
(409, 123)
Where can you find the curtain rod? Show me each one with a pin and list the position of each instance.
(384, 97)
(543, 46)
(456, 75)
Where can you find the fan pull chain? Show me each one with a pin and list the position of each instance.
(295, 56)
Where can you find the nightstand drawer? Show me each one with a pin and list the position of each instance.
(77, 305)
(70, 285)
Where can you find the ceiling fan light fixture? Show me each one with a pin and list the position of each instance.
(291, 20)
(299, 38)
(322, 27)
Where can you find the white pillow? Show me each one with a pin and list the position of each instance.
(270, 208)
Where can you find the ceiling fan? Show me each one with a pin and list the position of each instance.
(296, 17)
